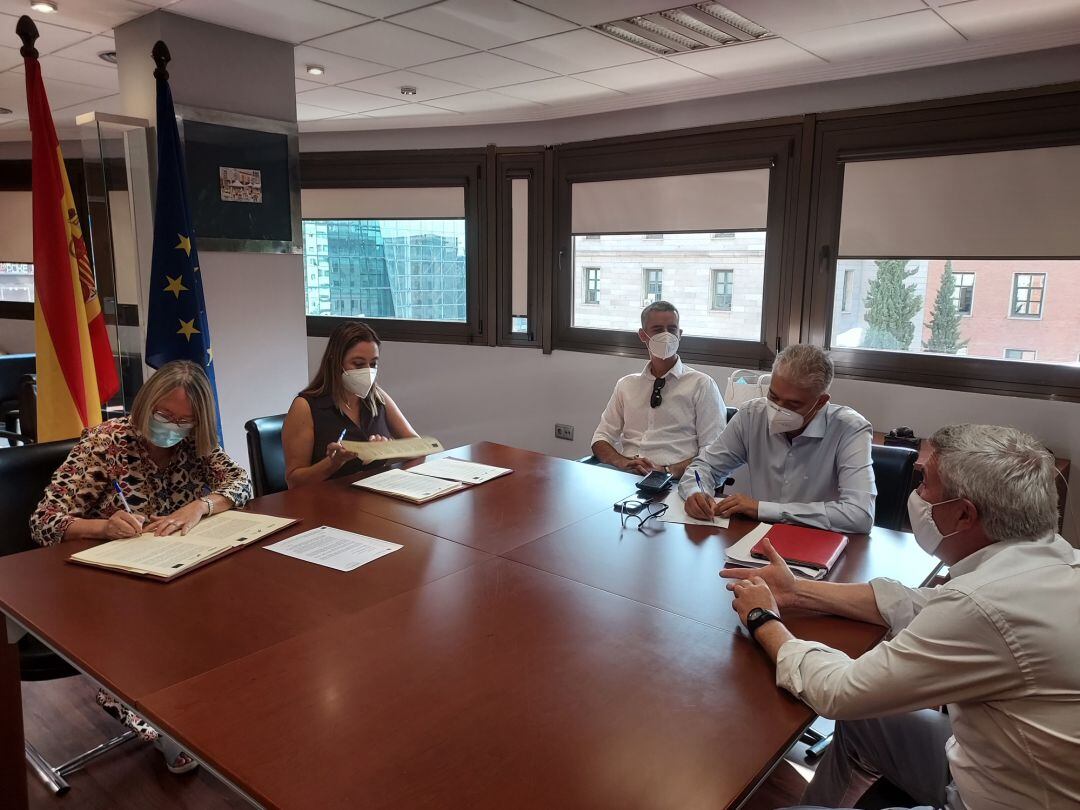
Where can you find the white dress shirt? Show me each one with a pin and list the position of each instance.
(690, 416)
(823, 477)
(1000, 644)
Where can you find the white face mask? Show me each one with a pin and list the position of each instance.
(358, 381)
(664, 345)
(921, 514)
(781, 420)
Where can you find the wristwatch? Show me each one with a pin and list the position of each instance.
(757, 617)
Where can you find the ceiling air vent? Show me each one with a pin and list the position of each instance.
(686, 28)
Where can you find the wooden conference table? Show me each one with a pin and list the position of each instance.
(520, 650)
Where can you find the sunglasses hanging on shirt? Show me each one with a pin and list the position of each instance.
(656, 399)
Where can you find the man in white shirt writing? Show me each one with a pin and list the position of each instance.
(807, 460)
(659, 419)
(997, 643)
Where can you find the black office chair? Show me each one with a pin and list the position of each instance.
(12, 369)
(24, 473)
(894, 472)
(266, 454)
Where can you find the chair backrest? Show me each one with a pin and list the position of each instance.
(25, 471)
(12, 368)
(28, 406)
(266, 454)
(731, 412)
(894, 472)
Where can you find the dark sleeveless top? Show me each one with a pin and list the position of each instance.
(329, 421)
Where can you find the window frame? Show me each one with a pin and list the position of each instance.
(587, 272)
(465, 168)
(777, 145)
(646, 283)
(1013, 315)
(1033, 352)
(847, 295)
(960, 287)
(508, 165)
(730, 283)
(1024, 120)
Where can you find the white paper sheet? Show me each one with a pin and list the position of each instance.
(740, 554)
(334, 548)
(408, 485)
(676, 513)
(454, 469)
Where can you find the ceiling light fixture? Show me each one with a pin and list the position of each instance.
(685, 28)
(107, 56)
(408, 91)
(44, 6)
(316, 70)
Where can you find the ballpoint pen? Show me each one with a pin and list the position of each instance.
(123, 500)
(339, 438)
(701, 489)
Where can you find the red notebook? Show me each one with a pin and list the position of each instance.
(800, 545)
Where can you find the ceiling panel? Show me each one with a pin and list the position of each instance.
(919, 31)
(574, 52)
(784, 17)
(390, 84)
(304, 84)
(308, 112)
(377, 8)
(481, 101)
(983, 19)
(68, 70)
(52, 37)
(390, 45)
(61, 94)
(410, 111)
(483, 23)
(345, 100)
(760, 56)
(88, 50)
(92, 16)
(591, 12)
(558, 90)
(9, 58)
(286, 20)
(483, 70)
(109, 104)
(339, 68)
(644, 76)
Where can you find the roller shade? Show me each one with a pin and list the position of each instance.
(1020, 203)
(382, 203)
(718, 201)
(16, 226)
(519, 253)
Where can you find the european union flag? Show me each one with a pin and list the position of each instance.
(176, 327)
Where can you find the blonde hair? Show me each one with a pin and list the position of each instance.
(327, 379)
(193, 380)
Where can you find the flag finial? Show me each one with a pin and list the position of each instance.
(162, 57)
(28, 33)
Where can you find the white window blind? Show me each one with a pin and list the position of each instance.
(16, 226)
(383, 203)
(519, 248)
(1011, 204)
(717, 201)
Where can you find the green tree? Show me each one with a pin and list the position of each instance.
(890, 305)
(945, 319)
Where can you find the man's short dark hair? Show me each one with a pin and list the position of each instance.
(656, 306)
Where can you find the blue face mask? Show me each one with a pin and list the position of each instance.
(167, 434)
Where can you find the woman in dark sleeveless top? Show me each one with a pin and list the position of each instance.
(342, 397)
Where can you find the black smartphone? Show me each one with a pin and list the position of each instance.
(655, 482)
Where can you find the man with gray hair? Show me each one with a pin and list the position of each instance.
(997, 643)
(808, 460)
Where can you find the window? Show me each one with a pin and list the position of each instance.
(964, 292)
(654, 285)
(592, 285)
(849, 289)
(16, 282)
(724, 235)
(412, 269)
(1027, 295)
(592, 236)
(722, 288)
(1019, 354)
(654, 236)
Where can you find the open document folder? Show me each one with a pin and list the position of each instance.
(431, 480)
(169, 557)
(394, 450)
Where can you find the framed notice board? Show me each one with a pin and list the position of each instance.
(243, 181)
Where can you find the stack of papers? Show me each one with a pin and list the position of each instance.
(334, 548)
(676, 513)
(740, 554)
(454, 469)
(430, 480)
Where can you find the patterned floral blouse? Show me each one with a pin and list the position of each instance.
(114, 451)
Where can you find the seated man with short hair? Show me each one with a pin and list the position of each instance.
(808, 460)
(663, 416)
(997, 643)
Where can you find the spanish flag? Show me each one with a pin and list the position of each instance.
(76, 373)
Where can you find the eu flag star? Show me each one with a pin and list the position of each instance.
(175, 285)
(187, 329)
(185, 244)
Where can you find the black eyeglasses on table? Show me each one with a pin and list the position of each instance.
(656, 399)
(640, 510)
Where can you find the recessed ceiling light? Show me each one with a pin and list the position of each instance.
(108, 56)
(44, 6)
(5, 111)
(316, 70)
(408, 91)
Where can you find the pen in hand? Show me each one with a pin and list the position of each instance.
(339, 438)
(123, 500)
(701, 489)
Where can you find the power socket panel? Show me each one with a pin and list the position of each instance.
(564, 432)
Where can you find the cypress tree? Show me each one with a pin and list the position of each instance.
(890, 305)
(945, 319)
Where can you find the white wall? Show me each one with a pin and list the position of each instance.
(463, 394)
